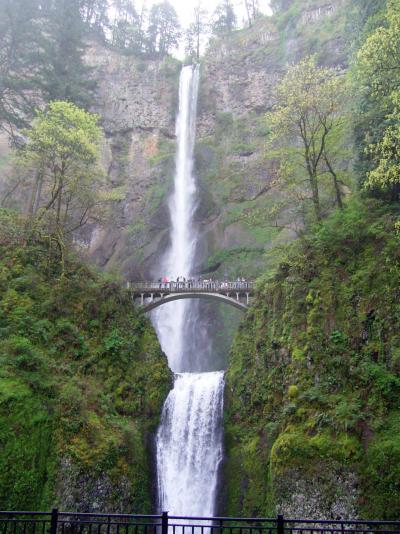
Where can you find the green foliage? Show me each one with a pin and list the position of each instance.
(195, 33)
(82, 380)
(163, 30)
(42, 59)
(62, 135)
(308, 110)
(224, 19)
(378, 67)
(381, 470)
(65, 75)
(12, 227)
(62, 156)
(313, 377)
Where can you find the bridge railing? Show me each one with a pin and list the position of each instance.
(192, 285)
(56, 522)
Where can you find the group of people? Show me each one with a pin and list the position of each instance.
(182, 282)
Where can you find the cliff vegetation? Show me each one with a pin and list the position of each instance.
(312, 411)
(82, 383)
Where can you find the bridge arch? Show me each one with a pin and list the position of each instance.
(156, 302)
(237, 294)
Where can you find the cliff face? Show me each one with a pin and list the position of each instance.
(82, 384)
(136, 101)
(239, 74)
(312, 414)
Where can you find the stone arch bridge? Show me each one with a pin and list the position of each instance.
(151, 295)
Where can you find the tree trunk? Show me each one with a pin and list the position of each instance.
(338, 192)
(315, 197)
(33, 195)
(395, 194)
(335, 183)
(38, 195)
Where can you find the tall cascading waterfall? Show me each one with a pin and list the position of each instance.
(189, 438)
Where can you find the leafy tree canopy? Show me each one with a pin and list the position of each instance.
(224, 18)
(308, 109)
(62, 154)
(379, 75)
(163, 30)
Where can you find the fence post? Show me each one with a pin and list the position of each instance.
(164, 523)
(54, 521)
(280, 525)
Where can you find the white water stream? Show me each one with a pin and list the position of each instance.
(189, 438)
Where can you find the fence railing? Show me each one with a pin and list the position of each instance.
(56, 522)
(192, 285)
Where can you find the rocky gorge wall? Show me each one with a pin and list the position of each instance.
(82, 384)
(137, 100)
(239, 73)
(311, 413)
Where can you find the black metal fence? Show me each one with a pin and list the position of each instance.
(56, 522)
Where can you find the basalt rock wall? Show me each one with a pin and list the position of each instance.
(136, 101)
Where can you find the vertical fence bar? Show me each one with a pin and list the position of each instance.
(54, 521)
(280, 524)
(164, 523)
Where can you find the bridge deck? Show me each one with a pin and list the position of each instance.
(191, 287)
(154, 294)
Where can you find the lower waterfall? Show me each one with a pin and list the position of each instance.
(189, 444)
(189, 438)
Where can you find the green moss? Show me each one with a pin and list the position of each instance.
(381, 470)
(313, 385)
(82, 378)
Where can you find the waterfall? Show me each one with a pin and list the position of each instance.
(189, 444)
(189, 438)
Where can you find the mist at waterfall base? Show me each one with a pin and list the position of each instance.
(189, 438)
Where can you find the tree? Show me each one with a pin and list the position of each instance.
(379, 75)
(163, 30)
(252, 10)
(21, 61)
(95, 15)
(62, 154)
(196, 31)
(280, 5)
(386, 156)
(65, 75)
(308, 110)
(41, 57)
(127, 30)
(224, 18)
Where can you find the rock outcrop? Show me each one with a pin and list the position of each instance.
(136, 100)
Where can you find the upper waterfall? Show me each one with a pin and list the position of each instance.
(179, 258)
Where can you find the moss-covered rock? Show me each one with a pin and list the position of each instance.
(313, 387)
(82, 383)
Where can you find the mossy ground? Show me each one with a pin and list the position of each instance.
(313, 385)
(82, 378)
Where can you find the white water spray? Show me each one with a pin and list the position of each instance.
(178, 261)
(189, 444)
(189, 439)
